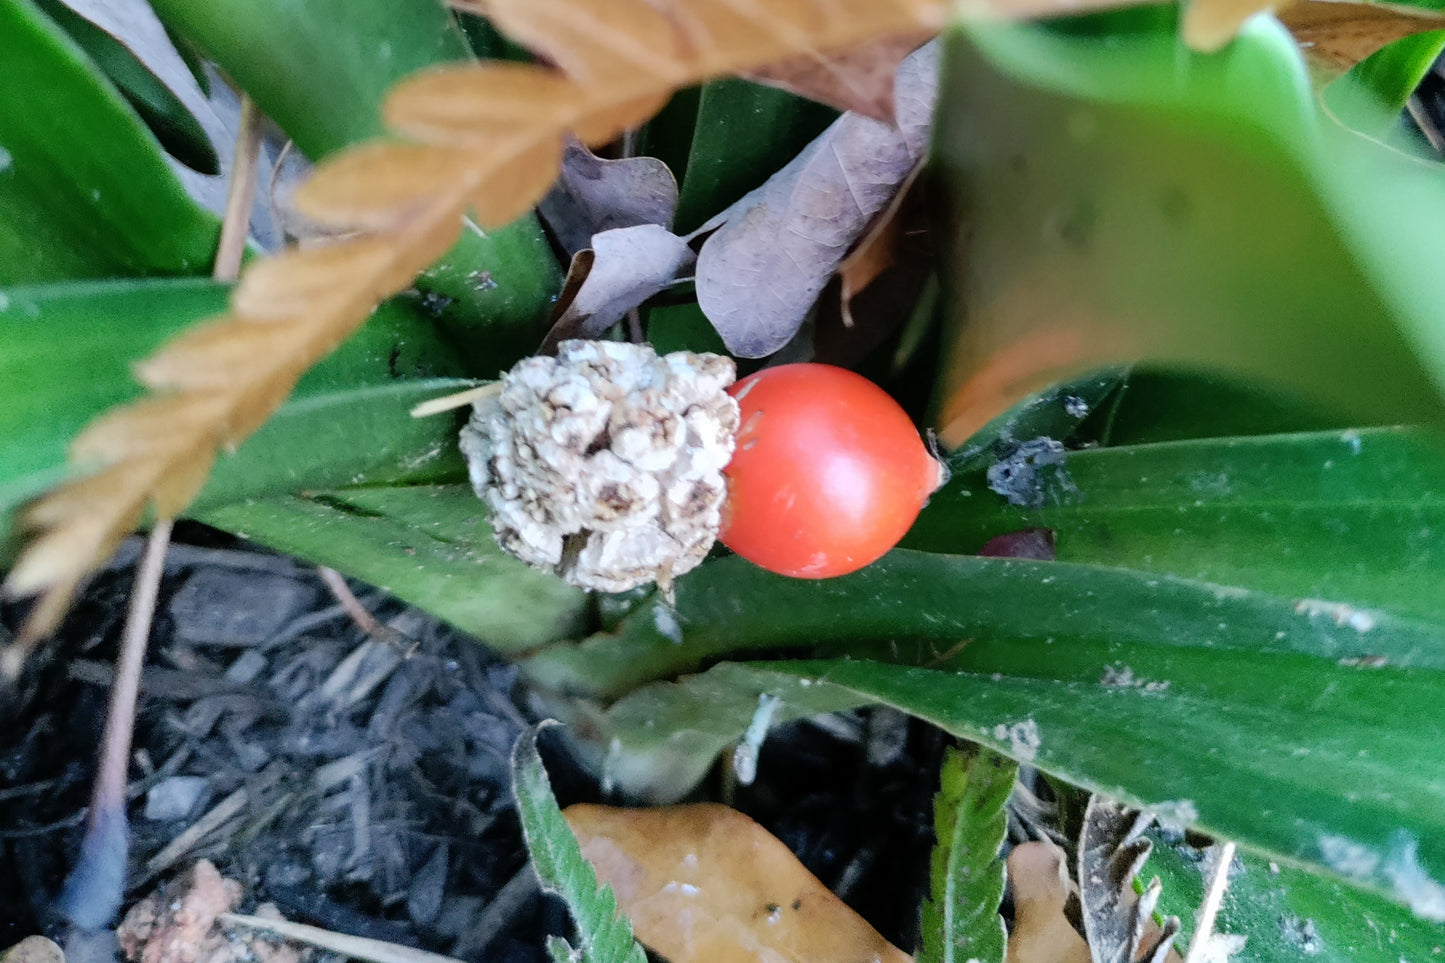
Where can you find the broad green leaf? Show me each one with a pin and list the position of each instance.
(1294, 755)
(85, 190)
(960, 919)
(430, 545)
(604, 935)
(1130, 200)
(173, 124)
(1055, 412)
(66, 359)
(1349, 516)
(922, 608)
(1288, 914)
(1370, 96)
(743, 133)
(1154, 404)
(320, 69)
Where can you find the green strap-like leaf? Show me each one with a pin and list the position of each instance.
(85, 190)
(320, 69)
(604, 933)
(960, 919)
(428, 544)
(1128, 200)
(1350, 516)
(68, 349)
(1287, 914)
(920, 607)
(1303, 759)
(173, 124)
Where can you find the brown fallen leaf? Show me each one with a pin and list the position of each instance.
(593, 195)
(858, 78)
(1038, 879)
(1340, 35)
(618, 272)
(34, 949)
(706, 884)
(773, 251)
(1335, 35)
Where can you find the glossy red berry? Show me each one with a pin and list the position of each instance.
(828, 473)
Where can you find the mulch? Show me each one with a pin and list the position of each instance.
(361, 783)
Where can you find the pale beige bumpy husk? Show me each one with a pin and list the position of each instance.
(604, 464)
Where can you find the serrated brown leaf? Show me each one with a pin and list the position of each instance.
(706, 884)
(1117, 920)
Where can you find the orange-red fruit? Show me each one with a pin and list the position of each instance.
(828, 473)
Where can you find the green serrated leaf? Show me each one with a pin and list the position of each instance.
(960, 920)
(604, 934)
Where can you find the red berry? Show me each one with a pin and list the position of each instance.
(828, 473)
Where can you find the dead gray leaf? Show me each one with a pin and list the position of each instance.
(773, 251)
(618, 272)
(1117, 921)
(594, 195)
(858, 78)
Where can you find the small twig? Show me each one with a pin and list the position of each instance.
(1204, 925)
(634, 326)
(214, 819)
(95, 886)
(356, 947)
(499, 912)
(239, 196)
(358, 613)
(460, 399)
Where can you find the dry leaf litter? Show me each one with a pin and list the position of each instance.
(604, 464)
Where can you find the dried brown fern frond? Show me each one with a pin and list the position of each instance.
(486, 140)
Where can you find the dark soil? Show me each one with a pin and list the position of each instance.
(361, 784)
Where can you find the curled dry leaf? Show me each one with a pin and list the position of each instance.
(497, 131)
(593, 195)
(774, 250)
(622, 269)
(706, 884)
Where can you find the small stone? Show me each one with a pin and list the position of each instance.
(604, 464)
(237, 608)
(175, 798)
